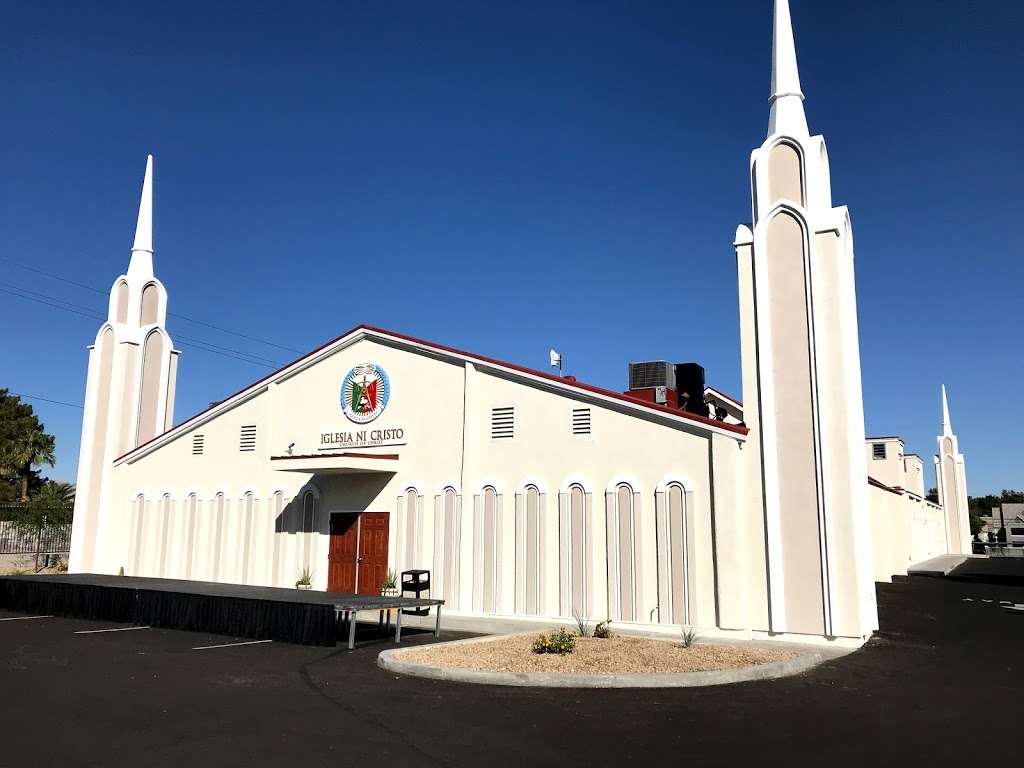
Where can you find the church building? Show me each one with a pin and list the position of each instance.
(527, 494)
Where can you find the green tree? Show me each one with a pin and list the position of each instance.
(24, 443)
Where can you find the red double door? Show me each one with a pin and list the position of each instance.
(357, 560)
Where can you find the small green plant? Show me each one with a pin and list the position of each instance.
(603, 630)
(390, 584)
(305, 578)
(560, 642)
(582, 623)
(688, 635)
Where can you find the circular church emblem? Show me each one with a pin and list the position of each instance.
(364, 393)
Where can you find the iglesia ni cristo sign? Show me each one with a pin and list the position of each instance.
(365, 392)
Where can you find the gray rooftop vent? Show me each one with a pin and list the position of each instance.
(656, 373)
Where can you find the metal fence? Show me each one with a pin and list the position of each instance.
(18, 538)
(22, 534)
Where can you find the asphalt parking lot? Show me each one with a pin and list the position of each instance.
(945, 665)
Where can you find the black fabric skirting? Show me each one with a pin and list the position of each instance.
(290, 622)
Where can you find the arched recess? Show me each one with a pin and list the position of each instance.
(94, 433)
(308, 523)
(409, 534)
(120, 312)
(622, 512)
(277, 517)
(191, 518)
(149, 395)
(674, 556)
(164, 533)
(248, 516)
(149, 309)
(785, 174)
(487, 550)
(220, 508)
(574, 546)
(447, 541)
(797, 528)
(138, 533)
(529, 550)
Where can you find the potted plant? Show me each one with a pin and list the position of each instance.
(305, 579)
(389, 587)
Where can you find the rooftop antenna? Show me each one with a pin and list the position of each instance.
(556, 361)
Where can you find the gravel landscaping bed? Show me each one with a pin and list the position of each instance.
(613, 655)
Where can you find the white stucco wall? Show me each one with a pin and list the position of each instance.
(443, 408)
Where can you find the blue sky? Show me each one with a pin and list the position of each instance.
(509, 177)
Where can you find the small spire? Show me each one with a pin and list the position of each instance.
(144, 228)
(142, 250)
(947, 427)
(787, 100)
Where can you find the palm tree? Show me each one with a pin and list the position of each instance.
(33, 446)
(56, 493)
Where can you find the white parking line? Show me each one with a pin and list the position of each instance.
(231, 645)
(114, 629)
(25, 618)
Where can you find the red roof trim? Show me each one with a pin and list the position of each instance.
(561, 380)
(452, 350)
(346, 455)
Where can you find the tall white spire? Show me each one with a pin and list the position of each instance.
(951, 481)
(142, 249)
(129, 392)
(787, 100)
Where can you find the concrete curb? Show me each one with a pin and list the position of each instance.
(391, 661)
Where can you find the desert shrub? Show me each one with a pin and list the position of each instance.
(560, 642)
(582, 623)
(688, 635)
(603, 630)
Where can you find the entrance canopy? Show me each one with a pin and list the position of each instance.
(343, 463)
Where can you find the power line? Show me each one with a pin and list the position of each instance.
(227, 350)
(171, 314)
(50, 304)
(47, 400)
(78, 309)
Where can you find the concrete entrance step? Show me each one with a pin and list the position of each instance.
(937, 566)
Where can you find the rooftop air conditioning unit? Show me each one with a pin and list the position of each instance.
(656, 373)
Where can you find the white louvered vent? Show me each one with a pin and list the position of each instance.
(503, 422)
(198, 443)
(581, 421)
(247, 441)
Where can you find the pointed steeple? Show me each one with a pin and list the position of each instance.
(787, 100)
(142, 249)
(947, 427)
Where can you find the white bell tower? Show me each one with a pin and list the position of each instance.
(129, 392)
(951, 482)
(801, 373)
